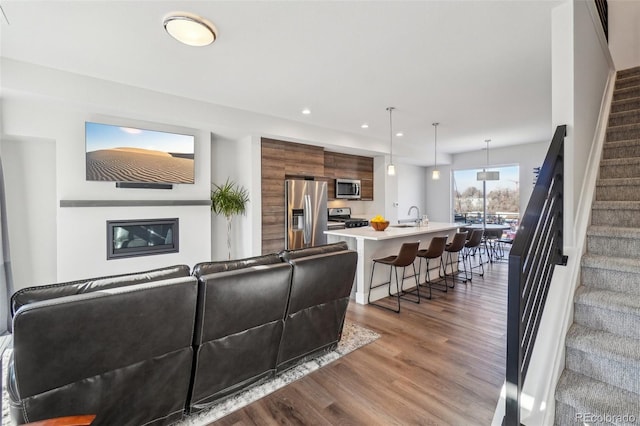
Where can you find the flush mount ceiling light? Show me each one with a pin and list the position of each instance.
(306, 111)
(485, 174)
(435, 175)
(391, 169)
(190, 29)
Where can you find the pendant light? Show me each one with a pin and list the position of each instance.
(435, 175)
(485, 174)
(391, 169)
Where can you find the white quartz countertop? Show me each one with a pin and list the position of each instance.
(368, 233)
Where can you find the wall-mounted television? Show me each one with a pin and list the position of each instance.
(129, 154)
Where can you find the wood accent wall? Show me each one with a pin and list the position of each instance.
(280, 161)
(286, 160)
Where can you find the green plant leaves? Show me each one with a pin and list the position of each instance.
(229, 199)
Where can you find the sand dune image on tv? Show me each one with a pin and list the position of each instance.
(139, 165)
(132, 155)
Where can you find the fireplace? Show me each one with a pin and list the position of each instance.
(129, 238)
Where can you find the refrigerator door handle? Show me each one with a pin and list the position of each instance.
(307, 219)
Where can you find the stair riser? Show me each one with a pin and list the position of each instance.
(625, 105)
(624, 375)
(618, 247)
(630, 81)
(623, 133)
(618, 193)
(628, 117)
(620, 323)
(608, 279)
(621, 152)
(618, 218)
(632, 92)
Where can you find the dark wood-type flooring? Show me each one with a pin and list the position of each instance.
(437, 363)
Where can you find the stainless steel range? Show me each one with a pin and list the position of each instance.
(343, 215)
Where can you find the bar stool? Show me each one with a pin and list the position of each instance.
(405, 257)
(434, 251)
(471, 247)
(454, 246)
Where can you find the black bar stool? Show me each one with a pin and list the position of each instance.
(406, 256)
(435, 250)
(471, 247)
(454, 246)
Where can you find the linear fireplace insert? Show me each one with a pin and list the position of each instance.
(142, 237)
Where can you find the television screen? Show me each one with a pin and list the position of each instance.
(128, 154)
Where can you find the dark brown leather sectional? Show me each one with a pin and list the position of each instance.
(151, 347)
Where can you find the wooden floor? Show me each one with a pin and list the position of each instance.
(437, 363)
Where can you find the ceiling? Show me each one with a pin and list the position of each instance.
(480, 68)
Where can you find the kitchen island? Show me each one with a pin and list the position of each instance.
(371, 244)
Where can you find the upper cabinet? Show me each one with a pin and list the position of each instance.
(345, 166)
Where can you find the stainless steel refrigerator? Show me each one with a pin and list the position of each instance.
(306, 209)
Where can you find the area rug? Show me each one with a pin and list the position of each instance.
(353, 337)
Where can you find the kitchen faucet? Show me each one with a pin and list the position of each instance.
(417, 209)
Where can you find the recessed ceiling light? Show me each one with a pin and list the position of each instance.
(399, 134)
(190, 29)
(306, 111)
(364, 125)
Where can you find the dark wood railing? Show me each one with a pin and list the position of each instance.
(603, 11)
(536, 249)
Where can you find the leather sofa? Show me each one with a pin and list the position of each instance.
(147, 348)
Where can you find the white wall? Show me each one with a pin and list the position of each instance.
(440, 193)
(624, 33)
(45, 104)
(411, 190)
(31, 209)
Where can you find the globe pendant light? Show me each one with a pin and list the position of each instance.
(435, 175)
(391, 169)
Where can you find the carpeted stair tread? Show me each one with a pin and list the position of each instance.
(625, 105)
(611, 263)
(608, 300)
(618, 181)
(623, 118)
(604, 344)
(626, 93)
(587, 395)
(629, 81)
(613, 232)
(615, 205)
(621, 149)
(628, 72)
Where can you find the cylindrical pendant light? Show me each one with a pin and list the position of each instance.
(435, 175)
(391, 169)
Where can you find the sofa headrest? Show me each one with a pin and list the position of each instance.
(52, 291)
(205, 268)
(288, 255)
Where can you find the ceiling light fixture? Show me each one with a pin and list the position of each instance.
(399, 134)
(391, 169)
(190, 29)
(306, 111)
(364, 126)
(485, 174)
(435, 175)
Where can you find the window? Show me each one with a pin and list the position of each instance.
(502, 199)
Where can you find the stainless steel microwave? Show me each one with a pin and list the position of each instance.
(348, 188)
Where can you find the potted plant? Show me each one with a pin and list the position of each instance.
(229, 199)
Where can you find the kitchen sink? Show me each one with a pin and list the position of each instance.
(404, 225)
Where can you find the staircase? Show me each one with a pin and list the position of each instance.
(601, 381)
